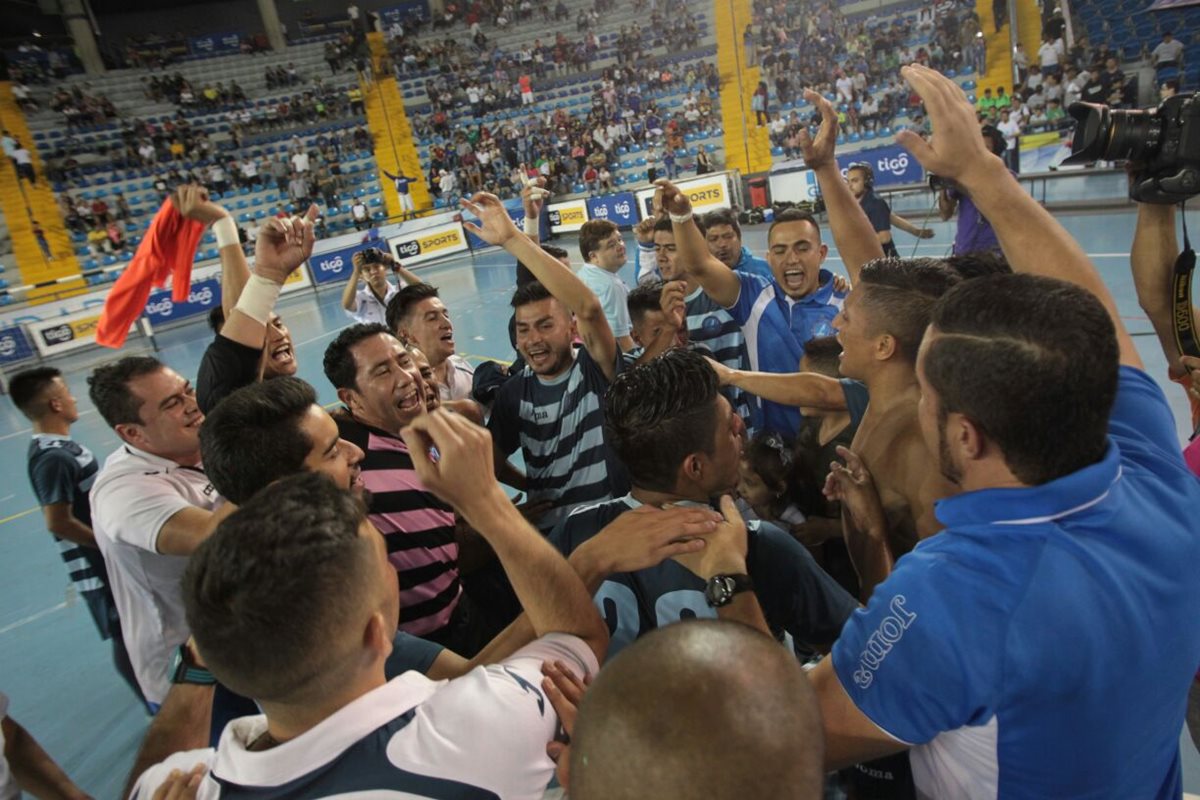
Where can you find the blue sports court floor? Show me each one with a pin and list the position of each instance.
(53, 665)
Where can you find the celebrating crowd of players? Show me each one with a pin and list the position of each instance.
(972, 521)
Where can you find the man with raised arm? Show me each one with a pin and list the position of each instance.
(253, 344)
(880, 327)
(779, 315)
(1020, 652)
(554, 409)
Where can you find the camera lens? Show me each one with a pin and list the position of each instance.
(1134, 134)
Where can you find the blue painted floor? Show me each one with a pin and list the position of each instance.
(52, 664)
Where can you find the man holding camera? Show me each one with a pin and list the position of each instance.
(368, 302)
(974, 233)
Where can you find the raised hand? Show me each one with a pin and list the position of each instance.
(819, 151)
(724, 373)
(192, 201)
(852, 485)
(669, 198)
(533, 195)
(284, 244)
(453, 456)
(956, 149)
(495, 227)
(648, 536)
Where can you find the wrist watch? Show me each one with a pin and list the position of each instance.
(184, 669)
(721, 589)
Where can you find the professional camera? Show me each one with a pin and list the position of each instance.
(373, 255)
(937, 183)
(1162, 143)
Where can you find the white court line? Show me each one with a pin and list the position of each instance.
(33, 618)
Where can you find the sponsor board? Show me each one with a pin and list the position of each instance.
(567, 217)
(204, 295)
(620, 208)
(425, 245)
(794, 187)
(707, 194)
(892, 165)
(336, 265)
(68, 333)
(401, 12)
(215, 43)
(300, 279)
(14, 345)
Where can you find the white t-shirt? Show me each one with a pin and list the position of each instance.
(460, 376)
(1048, 55)
(8, 784)
(367, 306)
(300, 162)
(135, 493)
(1168, 51)
(485, 732)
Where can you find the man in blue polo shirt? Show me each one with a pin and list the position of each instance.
(778, 315)
(1043, 644)
(402, 182)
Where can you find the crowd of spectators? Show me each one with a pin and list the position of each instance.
(812, 45)
(565, 149)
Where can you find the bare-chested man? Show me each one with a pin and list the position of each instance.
(880, 328)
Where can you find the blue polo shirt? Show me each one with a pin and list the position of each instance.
(1043, 644)
(748, 264)
(776, 329)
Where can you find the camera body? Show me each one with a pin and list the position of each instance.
(1163, 145)
(937, 183)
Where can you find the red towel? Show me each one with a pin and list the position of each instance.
(168, 249)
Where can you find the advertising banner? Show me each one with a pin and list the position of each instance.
(425, 245)
(569, 216)
(892, 165)
(335, 265)
(67, 333)
(402, 11)
(204, 295)
(619, 208)
(215, 44)
(14, 345)
(707, 194)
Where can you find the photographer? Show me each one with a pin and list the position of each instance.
(974, 233)
(368, 302)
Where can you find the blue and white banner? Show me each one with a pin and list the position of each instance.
(892, 165)
(336, 265)
(215, 44)
(204, 295)
(619, 208)
(402, 11)
(14, 345)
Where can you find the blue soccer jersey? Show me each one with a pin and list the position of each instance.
(1042, 645)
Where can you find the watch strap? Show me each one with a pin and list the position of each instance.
(185, 670)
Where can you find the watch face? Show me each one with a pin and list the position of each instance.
(719, 591)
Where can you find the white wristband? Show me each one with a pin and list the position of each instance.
(258, 297)
(679, 219)
(531, 226)
(225, 229)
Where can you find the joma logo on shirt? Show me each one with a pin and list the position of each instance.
(891, 629)
(541, 416)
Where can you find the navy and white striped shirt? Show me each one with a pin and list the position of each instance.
(559, 427)
(62, 471)
(714, 328)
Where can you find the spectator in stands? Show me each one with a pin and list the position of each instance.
(1168, 53)
(360, 214)
(23, 160)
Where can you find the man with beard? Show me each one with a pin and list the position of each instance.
(553, 410)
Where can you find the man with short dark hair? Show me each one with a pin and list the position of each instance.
(382, 392)
(680, 441)
(1063, 462)
(554, 409)
(417, 314)
(646, 726)
(151, 506)
(603, 250)
(368, 302)
(61, 472)
(777, 316)
(304, 556)
(1168, 52)
(861, 180)
(723, 235)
